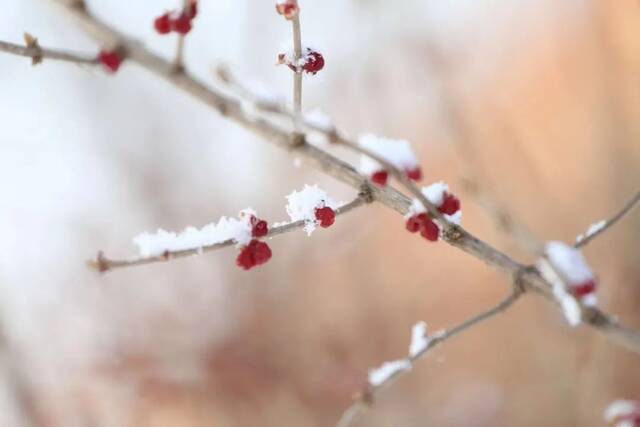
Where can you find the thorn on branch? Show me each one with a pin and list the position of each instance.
(100, 264)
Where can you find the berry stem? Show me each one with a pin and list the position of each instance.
(178, 62)
(297, 75)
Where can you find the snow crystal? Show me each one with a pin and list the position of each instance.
(593, 229)
(319, 120)
(620, 409)
(236, 229)
(387, 370)
(398, 152)
(568, 262)
(419, 339)
(302, 205)
(288, 56)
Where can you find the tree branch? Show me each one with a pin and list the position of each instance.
(37, 53)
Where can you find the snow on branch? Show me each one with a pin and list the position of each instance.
(600, 227)
(623, 413)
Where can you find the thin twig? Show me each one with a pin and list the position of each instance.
(103, 264)
(627, 208)
(365, 400)
(297, 75)
(37, 54)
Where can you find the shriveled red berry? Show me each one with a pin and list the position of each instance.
(414, 174)
(287, 8)
(380, 178)
(413, 224)
(261, 251)
(430, 230)
(314, 62)
(583, 289)
(110, 60)
(326, 216)
(162, 24)
(450, 204)
(259, 227)
(255, 253)
(182, 24)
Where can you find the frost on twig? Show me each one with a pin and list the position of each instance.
(623, 413)
(572, 279)
(395, 152)
(419, 340)
(591, 231)
(438, 195)
(236, 229)
(308, 204)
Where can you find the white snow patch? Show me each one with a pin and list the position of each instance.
(593, 229)
(619, 409)
(319, 120)
(419, 339)
(398, 152)
(236, 229)
(379, 375)
(569, 262)
(301, 205)
(569, 304)
(435, 194)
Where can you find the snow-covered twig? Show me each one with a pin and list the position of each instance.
(391, 371)
(102, 263)
(596, 229)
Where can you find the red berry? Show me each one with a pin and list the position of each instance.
(380, 178)
(430, 230)
(326, 216)
(162, 24)
(314, 62)
(259, 227)
(414, 174)
(110, 60)
(255, 253)
(450, 204)
(583, 289)
(182, 24)
(287, 8)
(413, 224)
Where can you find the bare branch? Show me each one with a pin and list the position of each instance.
(604, 226)
(104, 264)
(366, 399)
(297, 75)
(33, 50)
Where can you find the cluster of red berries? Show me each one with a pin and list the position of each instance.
(111, 60)
(256, 252)
(381, 177)
(423, 223)
(325, 216)
(312, 61)
(178, 21)
(287, 8)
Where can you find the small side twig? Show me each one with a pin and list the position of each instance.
(33, 50)
(627, 208)
(103, 264)
(366, 399)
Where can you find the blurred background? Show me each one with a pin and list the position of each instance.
(537, 102)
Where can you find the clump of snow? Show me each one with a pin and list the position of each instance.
(301, 205)
(434, 193)
(288, 57)
(398, 152)
(565, 268)
(593, 229)
(419, 339)
(622, 413)
(569, 263)
(236, 229)
(319, 120)
(379, 375)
